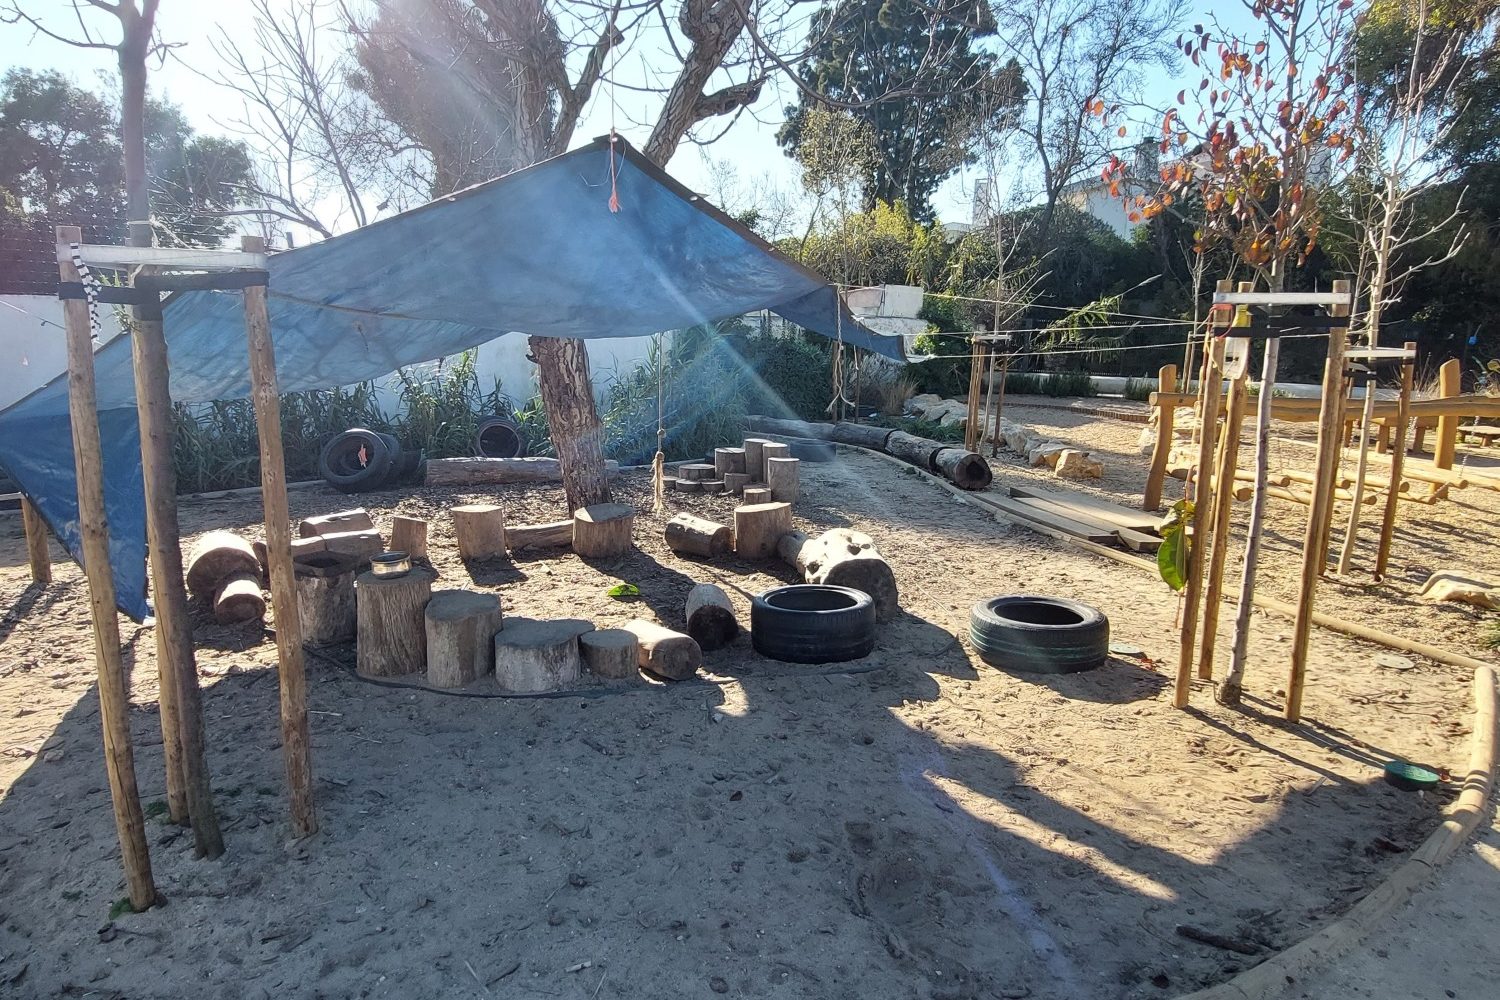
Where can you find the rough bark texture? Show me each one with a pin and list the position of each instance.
(553, 534)
(727, 461)
(409, 535)
(755, 458)
(214, 558)
(239, 599)
(697, 536)
(759, 526)
(577, 435)
(392, 630)
(664, 652)
(534, 656)
(603, 531)
(843, 432)
(964, 469)
(916, 450)
(712, 26)
(756, 494)
(710, 616)
(325, 597)
(843, 558)
(480, 530)
(783, 478)
(461, 627)
(610, 653)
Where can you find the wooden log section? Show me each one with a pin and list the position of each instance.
(461, 627)
(712, 486)
(37, 553)
(727, 460)
(357, 519)
(710, 617)
(392, 632)
(610, 653)
(1166, 417)
(485, 471)
(239, 599)
(1398, 463)
(758, 528)
(663, 652)
(768, 451)
(1445, 447)
(480, 530)
(755, 458)
(534, 656)
(552, 535)
(696, 536)
(964, 469)
(843, 432)
(689, 486)
(214, 558)
(843, 558)
(325, 597)
(409, 535)
(603, 531)
(735, 482)
(695, 471)
(114, 701)
(783, 478)
(756, 493)
(360, 544)
(918, 451)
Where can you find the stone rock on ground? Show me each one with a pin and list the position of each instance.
(1072, 464)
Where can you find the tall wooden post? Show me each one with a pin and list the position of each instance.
(1446, 445)
(114, 701)
(1361, 467)
(37, 553)
(295, 739)
(1398, 460)
(189, 791)
(1211, 393)
(1166, 417)
(1320, 511)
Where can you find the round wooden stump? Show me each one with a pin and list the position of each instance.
(409, 535)
(710, 616)
(759, 526)
(603, 530)
(610, 653)
(480, 528)
(735, 482)
(391, 633)
(755, 458)
(782, 477)
(756, 493)
(461, 627)
(728, 460)
(239, 599)
(534, 656)
(325, 597)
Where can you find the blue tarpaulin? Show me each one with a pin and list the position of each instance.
(538, 252)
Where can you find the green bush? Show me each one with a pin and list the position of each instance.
(1054, 384)
(1139, 389)
(924, 428)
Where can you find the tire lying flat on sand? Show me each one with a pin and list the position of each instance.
(1040, 635)
(812, 623)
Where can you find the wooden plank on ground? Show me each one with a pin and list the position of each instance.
(1036, 514)
(1138, 541)
(1092, 508)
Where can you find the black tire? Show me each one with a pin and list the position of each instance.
(812, 451)
(499, 437)
(1039, 635)
(812, 623)
(356, 460)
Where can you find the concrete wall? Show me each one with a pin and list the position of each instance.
(33, 351)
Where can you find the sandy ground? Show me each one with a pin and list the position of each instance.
(915, 825)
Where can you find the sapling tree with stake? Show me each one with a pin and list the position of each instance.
(1275, 114)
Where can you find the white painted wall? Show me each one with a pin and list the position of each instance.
(33, 351)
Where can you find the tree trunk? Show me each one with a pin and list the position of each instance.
(577, 435)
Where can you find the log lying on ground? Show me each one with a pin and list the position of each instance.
(664, 652)
(710, 616)
(843, 558)
(553, 534)
(461, 627)
(970, 469)
(478, 471)
(357, 519)
(216, 557)
(239, 599)
(697, 536)
(610, 653)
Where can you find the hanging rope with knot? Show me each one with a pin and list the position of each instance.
(658, 463)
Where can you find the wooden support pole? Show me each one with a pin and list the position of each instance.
(296, 744)
(1211, 389)
(37, 553)
(1398, 462)
(1223, 488)
(114, 701)
(1446, 445)
(1315, 539)
(1361, 467)
(189, 789)
(1166, 417)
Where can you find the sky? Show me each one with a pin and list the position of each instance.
(747, 151)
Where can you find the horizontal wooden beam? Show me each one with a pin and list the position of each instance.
(1281, 299)
(186, 258)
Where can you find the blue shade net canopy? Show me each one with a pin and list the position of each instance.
(538, 252)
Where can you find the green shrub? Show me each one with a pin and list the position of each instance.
(924, 428)
(1139, 389)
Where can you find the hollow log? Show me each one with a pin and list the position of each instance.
(710, 617)
(735, 482)
(215, 558)
(664, 652)
(461, 627)
(328, 524)
(483, 471)
(603, 531)
(918, 451)
(610, 653)
(553, 534)
(409, 535)
(480, 529)
(239, 599)
(782, 477)
(756, 493)
(727, 460)
(755, 458)
(843, 558)
(758, 528)
(533, 656)
(843, 432)
(697, 536)
(391, 632)
(964, 469)
(325, 597)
